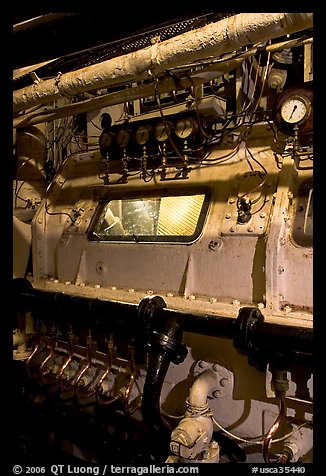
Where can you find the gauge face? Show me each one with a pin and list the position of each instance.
(142, 134)
(295, 109)
(123, 137)
(162, 131)
(105, 141)
(185, 127)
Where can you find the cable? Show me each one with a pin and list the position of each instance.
(257, 161)
(157, 97)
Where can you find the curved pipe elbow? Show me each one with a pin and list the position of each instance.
(205, 383)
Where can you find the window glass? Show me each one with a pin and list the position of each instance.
(172, 218)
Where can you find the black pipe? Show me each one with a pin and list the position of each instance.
(298, 339)
(262, 342)
(164, 346)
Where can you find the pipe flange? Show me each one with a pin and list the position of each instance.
(177, 349)
(244, 339)
(147, 308)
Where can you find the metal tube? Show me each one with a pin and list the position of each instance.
(273, 429)
(214, 39)
(294, 339)
(204, 383)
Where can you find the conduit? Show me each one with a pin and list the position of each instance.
(214, 39)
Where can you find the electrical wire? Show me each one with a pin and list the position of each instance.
(157, 97)
(255, 160)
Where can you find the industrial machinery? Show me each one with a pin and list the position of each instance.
(163, 237)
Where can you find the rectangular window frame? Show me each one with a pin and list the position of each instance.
(152, 239)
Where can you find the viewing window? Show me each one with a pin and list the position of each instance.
(173, 218)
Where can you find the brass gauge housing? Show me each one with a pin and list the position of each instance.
(162, 131)
(186, 127)
(123, 137)
(106, 141)
(295, 109)
(143, 134)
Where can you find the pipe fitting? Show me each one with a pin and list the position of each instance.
(191, 437)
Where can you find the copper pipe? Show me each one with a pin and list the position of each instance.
(68, 387)
(90, 344)
(35, 350)
(28, 361)
(98, 393)
(130, 408)
(86, 391)
(274, 428)
(41, 370)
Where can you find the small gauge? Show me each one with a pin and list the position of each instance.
(123, 137)
(142, 134)
(162, 131)
(295, 109)
(106, 141)
(185, 127)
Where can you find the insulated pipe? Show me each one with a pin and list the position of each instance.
(214, 39)
(205, 383)
(166, 85)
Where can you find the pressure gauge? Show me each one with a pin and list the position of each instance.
(106, 141)
(185, 127)
(123, 137)
(295, 109)
(142, 134)
(162, 131)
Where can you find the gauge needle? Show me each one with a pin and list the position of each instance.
(293, 110)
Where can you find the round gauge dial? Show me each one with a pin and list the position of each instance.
(142, 134)
(295, 109)
(185, 127)
(105, 141)
(162, 131)
(123, 137)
